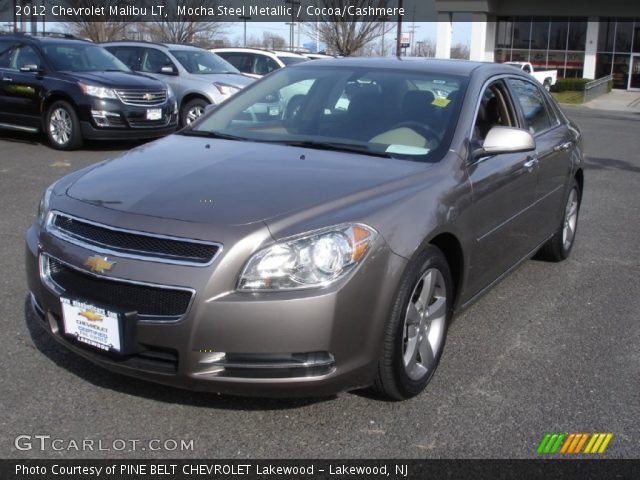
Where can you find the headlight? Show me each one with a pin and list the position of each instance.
(95, 91)
(225, 89)
(312, 260)
(43, 207)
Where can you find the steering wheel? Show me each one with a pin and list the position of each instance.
(430, 135)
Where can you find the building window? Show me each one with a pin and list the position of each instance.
(548, 43)
(617, 38)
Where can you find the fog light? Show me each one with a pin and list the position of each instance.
(104, 118)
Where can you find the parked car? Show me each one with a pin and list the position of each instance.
(546, 77)
(73, 90)
(257, 62)
(323, 250)
(197, 76)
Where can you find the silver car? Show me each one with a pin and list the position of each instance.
(197, 76)
(320, 250)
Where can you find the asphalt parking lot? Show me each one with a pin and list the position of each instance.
(552, 348)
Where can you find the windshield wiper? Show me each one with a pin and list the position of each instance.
(335, 146)
(211, 134)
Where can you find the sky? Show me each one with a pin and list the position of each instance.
(424, 30)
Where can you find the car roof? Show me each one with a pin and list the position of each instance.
(168, 46)
(432, 65)
(284, 53)
(50, 38)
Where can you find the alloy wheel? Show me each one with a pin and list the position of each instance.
(194, 113)
(424, 324)
(570, 219)
(60, 126)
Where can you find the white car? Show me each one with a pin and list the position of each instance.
(257, 62)
(546, 77)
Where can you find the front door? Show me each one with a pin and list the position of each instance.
(634, 73)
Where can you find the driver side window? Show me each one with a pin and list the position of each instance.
(494, 110)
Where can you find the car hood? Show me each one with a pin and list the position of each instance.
(230, 182)
(116, 79)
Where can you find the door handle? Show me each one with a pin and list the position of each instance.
(7, 79)
(532, 162)
(563, 147)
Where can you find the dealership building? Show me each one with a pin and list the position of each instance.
(577, 38)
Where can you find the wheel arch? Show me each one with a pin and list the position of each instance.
(50, 99)
(451, 248)
(193, 96)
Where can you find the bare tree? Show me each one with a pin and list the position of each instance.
(98, 28)
(425, 48)
(348, 36)
(273, 41)
(460, 51)
(189, 28)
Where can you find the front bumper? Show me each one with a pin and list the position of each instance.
(114, 120)
(306, 343)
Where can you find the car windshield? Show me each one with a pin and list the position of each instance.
(203, 62)
(291, 60)
(81, 57)
(384, 112)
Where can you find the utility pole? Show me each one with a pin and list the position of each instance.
(399, 31)
(244, 19)
(292, 24)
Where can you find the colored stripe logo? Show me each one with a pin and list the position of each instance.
(572, 443)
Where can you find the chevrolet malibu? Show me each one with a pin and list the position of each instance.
(321, 249)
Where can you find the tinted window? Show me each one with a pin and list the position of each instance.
(242, 61)
(202, 62)
(292, 60)
(82, 57)
(264, 65)
(533, 105)
(494, 110)
(127, 55)
(5, 53)
(24, 55)
(153, 60)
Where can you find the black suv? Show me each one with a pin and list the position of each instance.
(73, 89)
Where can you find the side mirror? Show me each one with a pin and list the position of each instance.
(168, 70)
(505, 140)
(31, 67)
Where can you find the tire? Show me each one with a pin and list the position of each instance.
(402, 375)
(559, 246)
(192, 110)
(62, 126)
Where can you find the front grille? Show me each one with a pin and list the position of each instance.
(146, 300)
(144, 98)
(163, 122)
(136, 244)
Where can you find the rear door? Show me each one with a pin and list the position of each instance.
(504, 189)
(129, 55)
(553, 153)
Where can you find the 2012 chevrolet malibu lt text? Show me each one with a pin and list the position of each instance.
(321, 249)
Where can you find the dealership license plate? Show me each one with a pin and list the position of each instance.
(154, 113)
(92, 325)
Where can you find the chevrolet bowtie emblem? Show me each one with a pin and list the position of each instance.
(148, 96)
(99, 264)
(91, 316)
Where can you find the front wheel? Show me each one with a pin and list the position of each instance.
(63, 127)
(559, 246)
(416, 332)
(192, 111)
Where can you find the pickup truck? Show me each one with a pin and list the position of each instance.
(545, 77)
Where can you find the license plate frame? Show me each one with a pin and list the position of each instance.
(92, 325)
(154, 114)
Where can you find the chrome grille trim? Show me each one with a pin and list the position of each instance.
(133, 254)
(137, 97)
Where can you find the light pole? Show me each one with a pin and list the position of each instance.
(399, 32)
(244, 18)
(293, 3)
